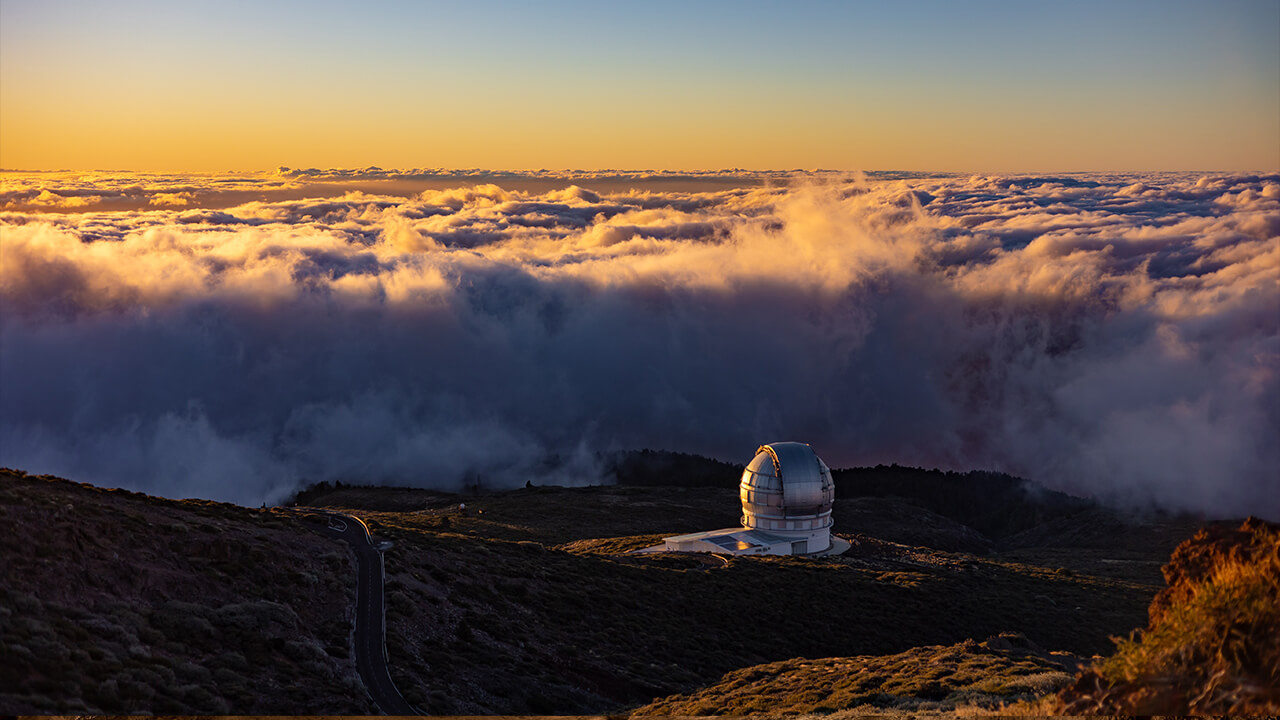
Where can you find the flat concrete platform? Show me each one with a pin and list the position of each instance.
(838, 546)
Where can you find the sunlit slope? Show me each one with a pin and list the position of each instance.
(1211, 647)
(968, 674)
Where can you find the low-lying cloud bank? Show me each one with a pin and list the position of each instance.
(1110, 335)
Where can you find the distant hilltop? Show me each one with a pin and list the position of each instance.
(997, 504)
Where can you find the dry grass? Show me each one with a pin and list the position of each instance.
(123, 603)
(967, 675)
(115, 602)
(497, 611)
(1212, 646)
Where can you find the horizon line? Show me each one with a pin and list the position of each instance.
(322, 172)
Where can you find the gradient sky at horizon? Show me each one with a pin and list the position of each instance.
(973, 86)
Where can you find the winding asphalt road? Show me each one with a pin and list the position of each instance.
(371, 630)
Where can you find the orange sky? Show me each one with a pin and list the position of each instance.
(985, 86)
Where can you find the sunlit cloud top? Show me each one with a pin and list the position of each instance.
(972, 86)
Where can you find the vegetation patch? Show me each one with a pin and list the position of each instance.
(116, 602)
(530, 601)
(986, 675)
(1211, 647)
(499, 608)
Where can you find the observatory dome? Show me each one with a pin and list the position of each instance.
(786, 488)
(787, 494)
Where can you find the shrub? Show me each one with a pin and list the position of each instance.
(1211, 647)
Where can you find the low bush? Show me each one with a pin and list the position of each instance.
(1212, 645)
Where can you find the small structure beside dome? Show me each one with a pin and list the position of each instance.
(787, 494)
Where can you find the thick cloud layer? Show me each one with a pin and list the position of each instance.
(234, 337)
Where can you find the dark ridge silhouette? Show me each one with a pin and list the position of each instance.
(1005, 510)
(995, 504)
(653, 468)
(308, 494)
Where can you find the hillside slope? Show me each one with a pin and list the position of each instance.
(512, 607)
(1002, 669)
(1212, 646)
(116, 602)
(526, 602)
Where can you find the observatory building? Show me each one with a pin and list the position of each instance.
(787, 494)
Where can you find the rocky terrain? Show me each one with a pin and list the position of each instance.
(527, 601)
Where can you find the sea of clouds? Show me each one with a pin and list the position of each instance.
(237, 336)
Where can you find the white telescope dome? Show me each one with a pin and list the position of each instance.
(787, 494)
(787, 488)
